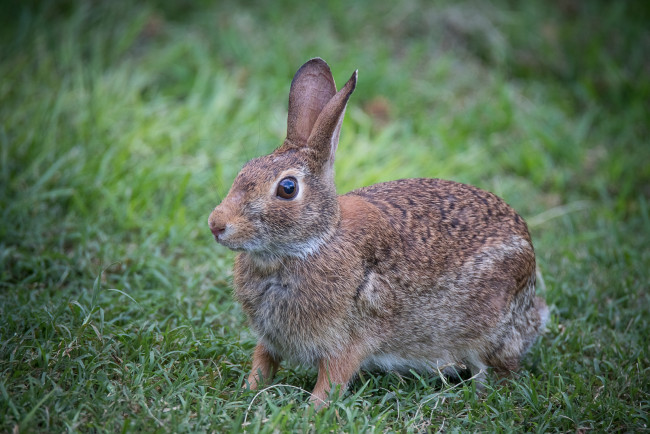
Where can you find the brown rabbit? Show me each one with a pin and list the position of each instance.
(414, 273)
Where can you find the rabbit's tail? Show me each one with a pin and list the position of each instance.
(542, 311)
(518, 331)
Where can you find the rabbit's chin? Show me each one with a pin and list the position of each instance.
(240, 246)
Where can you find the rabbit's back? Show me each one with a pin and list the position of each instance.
(449, 221)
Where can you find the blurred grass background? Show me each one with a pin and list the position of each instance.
(122, 124)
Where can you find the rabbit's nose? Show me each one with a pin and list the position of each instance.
(217, 225)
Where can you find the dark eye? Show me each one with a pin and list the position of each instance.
(287, 188)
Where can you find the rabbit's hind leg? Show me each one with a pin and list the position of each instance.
(333, 371)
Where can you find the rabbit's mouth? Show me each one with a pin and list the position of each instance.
(228, 239)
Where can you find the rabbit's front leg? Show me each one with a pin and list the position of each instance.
(264, 367)
(335, 371)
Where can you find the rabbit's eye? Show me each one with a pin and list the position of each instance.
(288, 188)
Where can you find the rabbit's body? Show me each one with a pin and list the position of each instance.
(416, 291)
(415, 273)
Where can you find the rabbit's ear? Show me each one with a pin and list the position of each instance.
(312, 87)
(324, 138)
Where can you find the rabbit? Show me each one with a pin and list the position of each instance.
(421, 274)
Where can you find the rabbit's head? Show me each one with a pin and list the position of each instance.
(285, 203)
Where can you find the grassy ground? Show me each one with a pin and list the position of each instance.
(122, 124)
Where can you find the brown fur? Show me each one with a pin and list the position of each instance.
(264, 366)
(415, 273)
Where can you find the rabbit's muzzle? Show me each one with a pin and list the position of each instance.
(229, 227)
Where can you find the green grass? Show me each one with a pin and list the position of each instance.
(122, 124)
